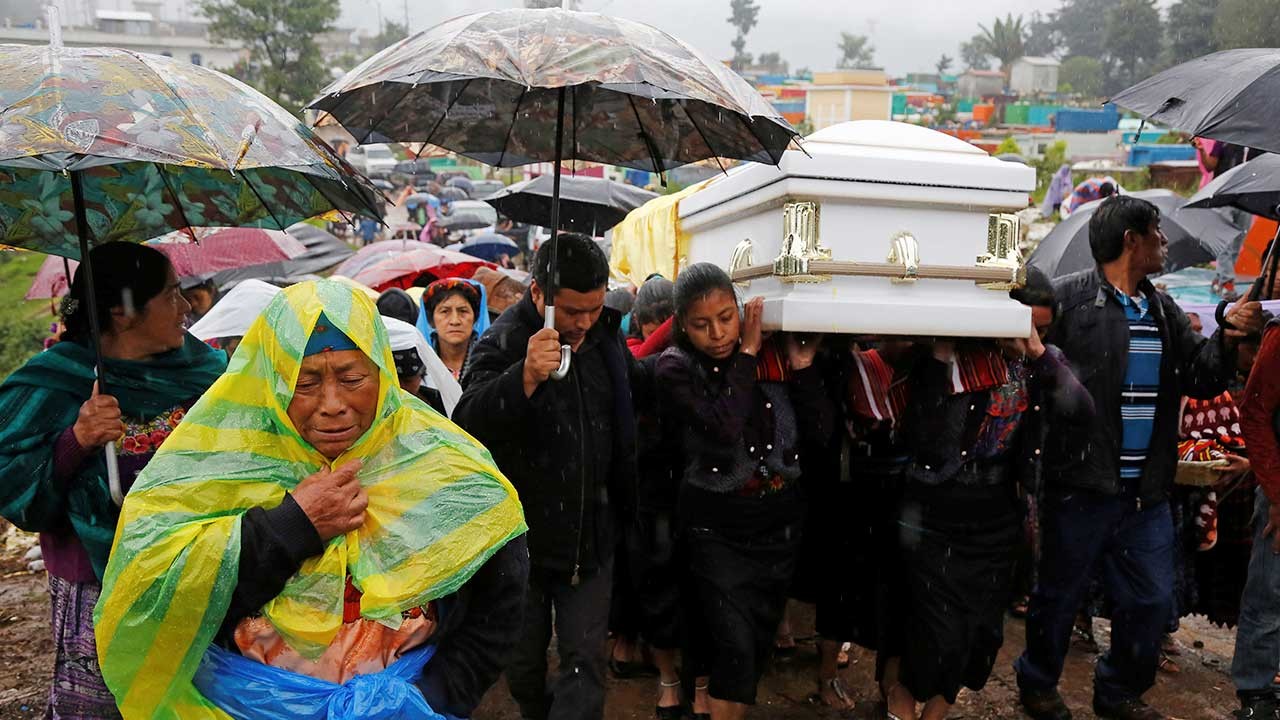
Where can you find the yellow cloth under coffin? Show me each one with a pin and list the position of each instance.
(438, 509)
(650, 240)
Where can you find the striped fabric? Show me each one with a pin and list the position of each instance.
(438, 509)
(1141, 386)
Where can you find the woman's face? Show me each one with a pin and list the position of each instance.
(453, 320)
(712, 324)
(334, 400)
(156, 327)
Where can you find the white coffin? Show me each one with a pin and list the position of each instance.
(867, 187)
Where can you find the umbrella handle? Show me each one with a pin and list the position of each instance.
(566, 352)
(113, 474)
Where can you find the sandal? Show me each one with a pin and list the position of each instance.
(670, 712)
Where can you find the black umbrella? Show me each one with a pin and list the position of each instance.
(452, 193)
(1233, 96)
(1253, 187)
(1195, 236)
(462, 183)
(589, 205)
(503, 87)
(467, 215)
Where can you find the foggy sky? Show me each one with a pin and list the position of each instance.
(908, 35)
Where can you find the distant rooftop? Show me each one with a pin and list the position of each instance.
(1032, 60)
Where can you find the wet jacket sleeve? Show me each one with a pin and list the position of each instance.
(1207, 364)
(480, 626)
(719, 416)
(1258, 412)
(493, 404)
(273, 545)
(1067, 399)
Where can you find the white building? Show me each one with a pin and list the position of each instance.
(136, 30)
(980, 83)
(1032, 75)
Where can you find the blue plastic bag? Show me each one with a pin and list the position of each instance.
(248, 690)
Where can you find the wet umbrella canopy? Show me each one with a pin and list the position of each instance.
(1233, 96)
(589, 205)
(1253, 187)
(1195, 236)
(102, 144)
(513, 87)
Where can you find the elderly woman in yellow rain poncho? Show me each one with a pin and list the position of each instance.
(312, 542)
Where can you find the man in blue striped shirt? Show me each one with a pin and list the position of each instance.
(1107, 483)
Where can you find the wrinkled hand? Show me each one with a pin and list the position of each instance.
(99, 421)
(752, 335)
(333, 500)
(1272, 530)
(1246, 316)
(542, 357)
(802, 349)
(1236, 465)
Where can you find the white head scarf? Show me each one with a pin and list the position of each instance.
(232, 315)
(404, 336)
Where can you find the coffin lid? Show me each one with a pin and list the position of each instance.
(876, 151)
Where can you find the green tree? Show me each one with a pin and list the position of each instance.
(1079, 24)
(1134, 38)
(973, 54)
(1008, 146)
(743, 16)
(1042, 36)
(392, 33)
(943, 65)
(1005, 40)
(1081, 75)
(856, 51)
(1247, 23)
(284, 61)
(805, 127)
(772, 62)
(1189, 30)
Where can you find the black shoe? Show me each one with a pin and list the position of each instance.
(674, 712)
(1258, 707)
(1131, 709)
(1044, 704)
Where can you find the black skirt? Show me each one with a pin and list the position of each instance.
(654, 578)
(958, 547)
(740, 555)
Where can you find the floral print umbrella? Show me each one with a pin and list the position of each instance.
(518, 86)
(156, 145)
(486, 85)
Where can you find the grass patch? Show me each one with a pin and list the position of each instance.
(24, 324)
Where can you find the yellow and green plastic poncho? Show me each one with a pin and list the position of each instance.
(438, 509)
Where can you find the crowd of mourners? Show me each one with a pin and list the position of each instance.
(326, 522)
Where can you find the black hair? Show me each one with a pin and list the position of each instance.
(620, 299)
(583, 266)
(1037, 291)
(693, 284)
(1106, 190)
(462, 289)
(654, 301)
(125, 275)
(1114, 217)
(398, 304)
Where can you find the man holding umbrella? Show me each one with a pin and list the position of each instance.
(569, 448)
(1107, 490)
